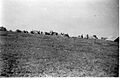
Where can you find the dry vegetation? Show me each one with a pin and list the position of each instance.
(24, 54)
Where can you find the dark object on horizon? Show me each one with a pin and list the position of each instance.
(41, 32)
(103, 38)
(25, 31)
(38, 32)
(46, 33)
(82, 36)
(10, 31)
(19, 31)
(95, 36)
(66, 35)
(3, 29)
(78, 36)
(87, 36)
(53, 33)
(32, 32)
(116, 40)
(62, 33)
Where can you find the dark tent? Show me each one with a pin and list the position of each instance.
(116, 40)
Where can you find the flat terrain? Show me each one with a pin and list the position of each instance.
(24, 54)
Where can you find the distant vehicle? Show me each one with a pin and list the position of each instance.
(66, 35)
(2, 33)
(82, 36)
(87, 36)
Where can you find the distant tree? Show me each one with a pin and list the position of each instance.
(3, 29)
(19, 31)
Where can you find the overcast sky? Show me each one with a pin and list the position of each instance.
(74, 17)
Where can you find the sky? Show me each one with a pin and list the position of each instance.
(75, 17)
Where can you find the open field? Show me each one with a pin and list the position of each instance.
(24, 54)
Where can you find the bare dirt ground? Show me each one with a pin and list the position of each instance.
(24, 55)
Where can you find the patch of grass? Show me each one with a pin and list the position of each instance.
(24, 55)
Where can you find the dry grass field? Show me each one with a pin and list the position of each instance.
(37, 55)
